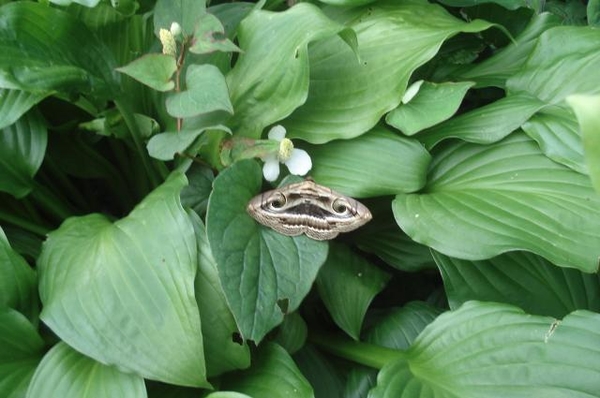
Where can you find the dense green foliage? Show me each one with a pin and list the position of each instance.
(132, 138)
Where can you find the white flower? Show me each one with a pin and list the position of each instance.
(297, 160)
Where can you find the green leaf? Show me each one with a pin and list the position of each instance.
(195, 195)
(495, 350)
(522, 279)
(208, 36)
(433, 104)
(165, 146)
(138, 311)
(206, 91)
(346, 97)
(153, 70)
(586, 109)
(481, 201)
(21, 349)
(22, 150)
(325, 378)
(267, 86)
(347, 284)
(185, 12)
(509, 4)
(14, 103)
(87, 3)
(486, 124)
(593, 12)
(377, 163)
(222, 352)
(273, 374)
(292, 333)
(259, 268)
(18, 281)
(44, 49)
(495, 70)
(556, 131)
(66, 373)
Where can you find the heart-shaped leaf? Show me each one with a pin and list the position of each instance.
(484, 200)
(185, 12)
(347, 97)
(263, 273)
(209, 36)
(123, 294)
(206, 91)
(65, 373)
(268, 85)
(153, 70)
(493, 350)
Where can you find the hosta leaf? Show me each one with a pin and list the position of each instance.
(263, 273)
(509, 4)
(433, 104)
(273, 374)
(347, 97)
(486, 124)
(153, 70)
(360, 167)
(556, 131)
(122, 293)
(493, 350)
(292, 333)
(43, 48)
(586, 109)
(65, 373)
(481, 201)
(22, 150)
(206, 91)
(21, 349)
(14, 103)
(222, 352)
(18, 281)
(267, 86)
(347, 284)
(325, 378)
(522, 279)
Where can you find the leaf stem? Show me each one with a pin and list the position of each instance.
(24, 224)
(366, 354)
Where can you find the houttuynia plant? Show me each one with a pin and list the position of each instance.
(134, 134)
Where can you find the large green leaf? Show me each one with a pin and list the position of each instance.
(522, 279)
(347, 97)
(22, 150)
(14, 103)
(268, 85)
(221, 351)
(486, 124)
(487, 350)
(123, 294)
(586, 108)
(18, 281)
(43, 48)
(263, 273)
(21, 349)
(374, 164)
(65, 373)
(483, 200)
(273, 374)
(347, 284)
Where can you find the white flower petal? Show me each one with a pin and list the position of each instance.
(411, 91)
(299, 163)
(277, 133)
(271, 168)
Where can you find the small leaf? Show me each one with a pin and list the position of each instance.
(21, 349)
(185, 12)
(521, 279)
(433, 104)
(138, 311)
(259, 268)
(292, 333)
(206, 36)
(587, 109)
(484, 200)
(14, 103)
(153, 70)
(495, 350)
(65, 373)
(347, 284)
(22, 150)
(195, 195)
(273, 374)
(361, 167)
(206, 91)
(486, 124)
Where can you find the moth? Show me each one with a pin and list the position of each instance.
(308, 208)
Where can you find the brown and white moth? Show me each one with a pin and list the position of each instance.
(308, 208)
